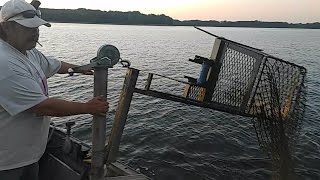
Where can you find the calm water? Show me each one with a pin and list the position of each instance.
(172, 141)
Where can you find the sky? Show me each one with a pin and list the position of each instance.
(293, 11)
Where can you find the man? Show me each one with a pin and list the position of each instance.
(24, 102)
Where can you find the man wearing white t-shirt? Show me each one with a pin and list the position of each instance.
(24, 102)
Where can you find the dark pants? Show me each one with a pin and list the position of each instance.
(29, 172)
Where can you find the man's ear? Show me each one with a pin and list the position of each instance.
(8, 26)
(5, 27)
(3, 34)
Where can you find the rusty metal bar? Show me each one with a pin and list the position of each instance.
(181, 99)
(239, 44)
(121, 114)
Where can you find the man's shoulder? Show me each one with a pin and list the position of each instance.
(7, 53)
(4, 59)
(5, 70)
(10, 64)
(4, 53)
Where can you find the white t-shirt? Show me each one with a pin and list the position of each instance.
(23, 135)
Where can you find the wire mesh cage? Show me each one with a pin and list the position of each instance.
(270, 90)
(248, 82)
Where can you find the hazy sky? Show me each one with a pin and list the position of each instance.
(265, 10)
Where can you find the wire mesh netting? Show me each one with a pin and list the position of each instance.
(278, 105)
(195, 92)
(234, 77)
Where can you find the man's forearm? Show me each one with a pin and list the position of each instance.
(58, 107)
(65, 66)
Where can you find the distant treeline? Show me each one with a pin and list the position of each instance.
(136, 18)
(104, 17)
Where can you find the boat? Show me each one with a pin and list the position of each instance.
(68, 158)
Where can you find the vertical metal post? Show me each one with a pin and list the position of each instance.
(121, 114)
(213, 74)
(147, 87)
(99, 126)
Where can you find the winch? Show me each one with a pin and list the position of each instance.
(107, 57)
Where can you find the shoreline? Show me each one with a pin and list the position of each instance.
(124, 24)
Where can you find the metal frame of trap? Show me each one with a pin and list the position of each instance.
(207, 95)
